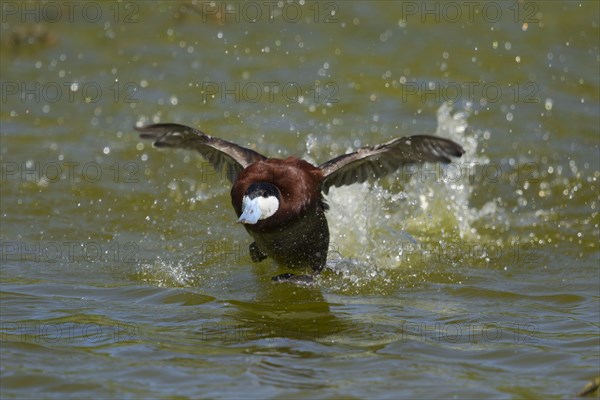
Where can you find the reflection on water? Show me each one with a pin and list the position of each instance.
(304, 315)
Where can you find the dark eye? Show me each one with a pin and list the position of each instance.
(265, 195)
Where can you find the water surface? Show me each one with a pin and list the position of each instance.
(124, 273)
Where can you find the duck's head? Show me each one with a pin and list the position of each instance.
(273, 193)
(261, 201)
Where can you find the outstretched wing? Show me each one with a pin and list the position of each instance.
(377, 161)
(220, 153)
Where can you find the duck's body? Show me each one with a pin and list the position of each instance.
(297, 235)
(280, 202)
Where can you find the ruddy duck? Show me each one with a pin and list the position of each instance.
(280, 201)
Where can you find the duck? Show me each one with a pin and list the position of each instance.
(280, 202)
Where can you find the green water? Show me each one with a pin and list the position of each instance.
(124, 273)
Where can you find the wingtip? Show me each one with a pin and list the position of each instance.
(459, 151)
(453, 149)
(158, 144)
(145, 135)
(148, 132)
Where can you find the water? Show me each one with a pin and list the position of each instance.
(124, 273)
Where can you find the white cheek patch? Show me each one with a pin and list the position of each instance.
(268, 206)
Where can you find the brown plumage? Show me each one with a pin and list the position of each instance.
(280, 201)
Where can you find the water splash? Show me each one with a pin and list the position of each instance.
(391, 223)
(167, 273)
